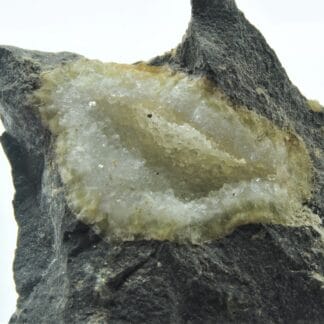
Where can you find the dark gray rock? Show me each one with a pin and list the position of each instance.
(67, 274)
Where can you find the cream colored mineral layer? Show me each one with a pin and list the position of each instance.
(145, 152)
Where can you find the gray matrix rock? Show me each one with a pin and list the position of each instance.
(259, 273)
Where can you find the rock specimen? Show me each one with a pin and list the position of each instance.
(133, 183)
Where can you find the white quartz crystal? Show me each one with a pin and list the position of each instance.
(149, 153)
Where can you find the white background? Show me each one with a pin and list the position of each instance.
(131, 30)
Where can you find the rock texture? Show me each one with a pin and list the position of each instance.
(65, 273)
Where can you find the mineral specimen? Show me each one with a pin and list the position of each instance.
(149, 153)
(213, 137)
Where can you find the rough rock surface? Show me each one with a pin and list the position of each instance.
(65, 273)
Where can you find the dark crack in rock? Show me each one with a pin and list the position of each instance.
(65, 273)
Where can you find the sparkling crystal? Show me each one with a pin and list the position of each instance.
(180, 162)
